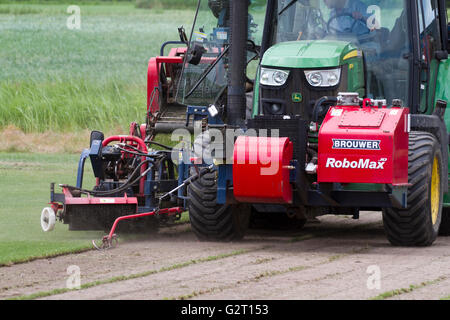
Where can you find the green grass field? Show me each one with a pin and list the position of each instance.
(24, 189)
(53, 78)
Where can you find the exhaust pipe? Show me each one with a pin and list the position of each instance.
(237, 71)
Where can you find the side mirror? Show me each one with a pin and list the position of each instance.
(182, 34)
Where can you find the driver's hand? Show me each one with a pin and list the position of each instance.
(357, 15)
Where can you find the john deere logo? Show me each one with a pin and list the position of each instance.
(297, 97)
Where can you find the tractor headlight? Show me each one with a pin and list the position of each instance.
(273, 77)
(323, 78)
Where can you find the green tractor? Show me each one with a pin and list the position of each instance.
(357, 91)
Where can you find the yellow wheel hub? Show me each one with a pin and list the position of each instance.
(435, 190)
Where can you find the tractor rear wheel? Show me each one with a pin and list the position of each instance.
(211, 221)
(418, 225)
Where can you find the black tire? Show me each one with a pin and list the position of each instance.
(211, 221)
(418, 225)
(444, 230)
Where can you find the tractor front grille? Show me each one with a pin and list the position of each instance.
(294, 128)
(288, 95)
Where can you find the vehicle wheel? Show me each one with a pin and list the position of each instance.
(48, 219)
(418, 225)
(211, 221)
(444, 230)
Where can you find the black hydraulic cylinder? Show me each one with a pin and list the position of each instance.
(238, 63)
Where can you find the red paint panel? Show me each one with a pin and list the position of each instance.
(100, 201)
(176, 56)
(153, 79)
(261, 171)
(364, 145)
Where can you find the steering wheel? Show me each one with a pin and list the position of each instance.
(347, 30)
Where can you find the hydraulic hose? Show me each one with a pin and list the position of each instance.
(317, 110)
(124, 187)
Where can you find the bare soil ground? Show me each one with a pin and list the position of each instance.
(15, 140)
(332, 259)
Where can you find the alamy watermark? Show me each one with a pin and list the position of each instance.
(213, 144)
(374, 21)
(374, 279)
(74, 280)
(74, 20)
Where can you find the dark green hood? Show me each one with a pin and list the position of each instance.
(308, 54)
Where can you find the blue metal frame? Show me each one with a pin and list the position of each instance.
(225, 178)
(199, 113)
(84, 155)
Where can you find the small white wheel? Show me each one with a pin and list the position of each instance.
(48, 219)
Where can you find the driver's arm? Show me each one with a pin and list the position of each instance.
(358, 10)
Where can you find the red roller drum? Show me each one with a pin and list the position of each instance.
(261, 170)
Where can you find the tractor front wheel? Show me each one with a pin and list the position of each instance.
(211, 221)
(418, 225)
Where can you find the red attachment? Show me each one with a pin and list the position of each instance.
(123, 139)
(364, 145)
(155, 65)
(168, 211)
(133, 128)
(153, 79)
(69, 200)
(56, 206)
(367, 103)
(261, 170)
(143, 129)
(140, 144)
(163, 68)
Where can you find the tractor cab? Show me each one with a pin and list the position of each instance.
(381, 49)
(298, 51)
(322, 47)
